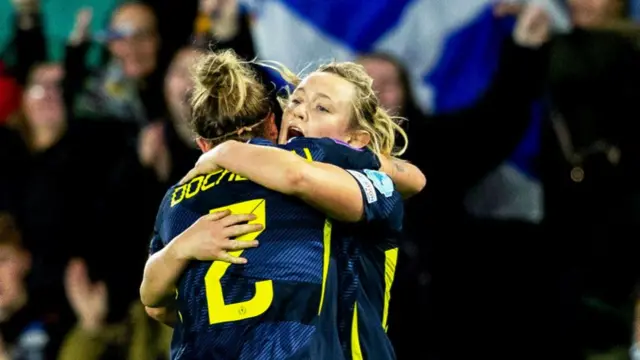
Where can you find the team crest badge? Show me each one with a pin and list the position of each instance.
(381, 181)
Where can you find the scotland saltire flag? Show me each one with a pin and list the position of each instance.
(450, 48)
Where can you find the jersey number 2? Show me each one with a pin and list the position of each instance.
(219, 312)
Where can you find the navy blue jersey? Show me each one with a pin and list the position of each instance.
(283, 303)
(367, 263)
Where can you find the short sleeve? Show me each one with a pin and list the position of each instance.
(156, 244)
(333, 152)
(260, 141)
(380, 199)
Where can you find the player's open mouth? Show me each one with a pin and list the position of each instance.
(293, 131)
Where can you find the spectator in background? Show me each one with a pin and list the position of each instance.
(29, 329)
(168, 147)
(56, 201)
(129, 86)
(589, 169)
(222, 24)
(455, 151)
(28, 46)
(136, 337)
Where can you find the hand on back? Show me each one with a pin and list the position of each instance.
(212, 238)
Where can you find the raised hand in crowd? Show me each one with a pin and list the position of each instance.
(153, 151)
(88, 300)
(533, 27)
(80, 32)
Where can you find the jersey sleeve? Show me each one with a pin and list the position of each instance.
(261, 141)
(381, 201)
(333, 152)
(156, 244)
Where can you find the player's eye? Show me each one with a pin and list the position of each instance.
(322, 108)
(295, 101)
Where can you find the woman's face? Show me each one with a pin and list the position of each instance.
(177, 84)
(591, 13)
(386, 83)
(138, 43)
(14, 265)
(321, 106)
(42, 99)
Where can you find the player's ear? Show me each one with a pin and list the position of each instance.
(270, 128)
(203, 144)
(359, 139)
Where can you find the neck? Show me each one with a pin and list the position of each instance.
(19, 303)
(45, 137)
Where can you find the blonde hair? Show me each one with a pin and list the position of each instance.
(368, 115)
(228, 101)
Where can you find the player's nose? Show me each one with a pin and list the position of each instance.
(300, 113)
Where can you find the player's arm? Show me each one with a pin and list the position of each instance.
(326, 187)
(161, 274)
(165, 315)
(164, 267)
(408, 178)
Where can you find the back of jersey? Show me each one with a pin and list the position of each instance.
(278, 305)
(367, 268)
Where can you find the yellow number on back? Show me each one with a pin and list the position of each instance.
(219, 312)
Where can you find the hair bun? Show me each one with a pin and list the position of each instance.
(222, 76)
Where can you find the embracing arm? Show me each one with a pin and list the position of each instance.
(165, 315)
(326, 187)
(408, 178)
(207, 239)
(161, 273)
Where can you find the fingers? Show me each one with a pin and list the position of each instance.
(101, 289)
(235, 245)
(226, 257)
(237, 230)
(237, 218)
(190, 175)
(217, 215)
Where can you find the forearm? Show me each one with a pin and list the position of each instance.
(161, 274)
(325, 187)
(165, 315)
(273, 168)
(408, 178)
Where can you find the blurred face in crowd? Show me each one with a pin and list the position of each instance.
(14, 266)
(590, 13)
(177, 84)
(386, 83)
(42, 100)
(136, 43)
(321, 106)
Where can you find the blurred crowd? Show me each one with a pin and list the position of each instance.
(86, 154)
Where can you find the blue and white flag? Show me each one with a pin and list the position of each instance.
(449, 47)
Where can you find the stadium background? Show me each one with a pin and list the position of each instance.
(470, 275)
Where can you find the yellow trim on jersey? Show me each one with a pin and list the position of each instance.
(307, 154)
(356, 351)
(390, 261)
(326, 257)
